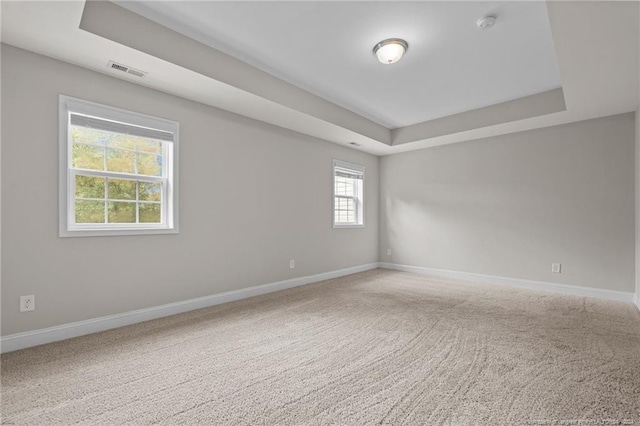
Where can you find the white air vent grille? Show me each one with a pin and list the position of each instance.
(124, 68)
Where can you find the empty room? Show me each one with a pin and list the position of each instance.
(320, 212)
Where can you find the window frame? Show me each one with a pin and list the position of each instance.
(359, 198)
(169, 206)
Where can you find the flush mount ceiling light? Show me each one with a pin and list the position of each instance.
(486, 22)
(390, 51)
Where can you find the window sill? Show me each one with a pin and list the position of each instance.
(115, 232)
(337, 226)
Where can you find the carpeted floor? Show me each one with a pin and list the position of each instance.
(379, 347)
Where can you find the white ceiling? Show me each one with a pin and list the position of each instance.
(326, 48)
(596, 45)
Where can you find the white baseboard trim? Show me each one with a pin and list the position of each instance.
(636, 300)
(620, 296)
(14, 342)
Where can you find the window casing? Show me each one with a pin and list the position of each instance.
(118, 171)
(348, 191)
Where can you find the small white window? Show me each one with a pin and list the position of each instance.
(348, 190)
(118, 171)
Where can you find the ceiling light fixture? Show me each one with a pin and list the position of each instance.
(486, 22)
(390, 51)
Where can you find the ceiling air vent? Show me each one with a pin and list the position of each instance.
(124, 68)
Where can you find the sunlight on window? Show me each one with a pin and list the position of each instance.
(348, 193)
(119, 173)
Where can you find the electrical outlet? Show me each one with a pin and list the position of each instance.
(556, 268)
(292, 264)
(27, 303)
(388, 252)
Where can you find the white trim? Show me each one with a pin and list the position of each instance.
(636, 301)
(358, 168)
(359, 199)
(66, 206)
(94, 109)
(575, 290)
(27, 339)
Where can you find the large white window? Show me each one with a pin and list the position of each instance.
(118, 171)
(348, 190)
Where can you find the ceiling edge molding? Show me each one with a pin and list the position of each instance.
(537, 105)
(146, 36)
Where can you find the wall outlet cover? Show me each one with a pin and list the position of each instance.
(27, 303)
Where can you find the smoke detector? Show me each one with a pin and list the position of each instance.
(126, 69)
(486, 22)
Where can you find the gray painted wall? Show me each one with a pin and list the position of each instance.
(505, 206)
(638, 178)
(511, 205)
(638, 203)
(252, 196)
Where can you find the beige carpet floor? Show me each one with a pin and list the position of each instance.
(379, 347)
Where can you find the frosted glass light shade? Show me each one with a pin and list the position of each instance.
(390, 51)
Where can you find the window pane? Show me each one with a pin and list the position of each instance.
(122, 212)
(150, 145)
(89, 187)
(345, 217)
(345, 210)
(87, 157)
(120, 161)
(89, 211)
(119, 171)
(345, 204)
(344, 186)
(120, 141)
(150, 213)
(149, 191)
(122, 189)
(90, 136)
(149, 164)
